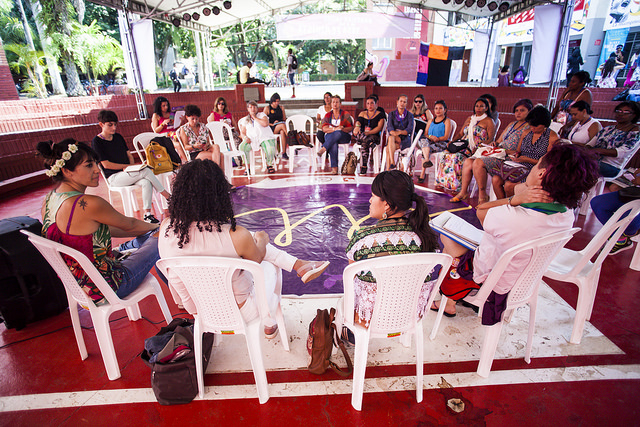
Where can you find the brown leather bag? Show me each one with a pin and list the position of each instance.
(322, 334)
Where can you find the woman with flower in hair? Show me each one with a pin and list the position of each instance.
(87, 223)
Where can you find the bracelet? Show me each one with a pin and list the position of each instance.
(509, 201)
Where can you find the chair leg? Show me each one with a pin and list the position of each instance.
(532, 326)
(197, 344)
(582, 312)
(419, 360)
(436, 325)
(635, 261)
(133, 312)
(359, 367)
(282, 330)
(77, 329)
(105, 342)
(491, 337)
(252, 332)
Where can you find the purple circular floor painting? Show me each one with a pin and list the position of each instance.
(313, 217)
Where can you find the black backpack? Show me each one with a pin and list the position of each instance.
(294, 63)
(172, 74)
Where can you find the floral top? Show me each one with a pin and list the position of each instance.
(202, 137)
(480, 135)
(625, 144)
(387, 237)
(96, 246)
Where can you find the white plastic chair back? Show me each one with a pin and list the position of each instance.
(524, 291)
(495, 133)
(300, 123)
(209, 283)
(227, 146)
(127, 194)
(141, 141)
(454, 127)
(399, 281)
(52, 252)
(407, 154)
(576, 266)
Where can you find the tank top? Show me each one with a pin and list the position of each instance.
(96, 246)
(437, 129)
(580, 133)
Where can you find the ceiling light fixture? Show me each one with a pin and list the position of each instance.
(446, 1)
(227, 4)
(176, 22)
(503, 6)
(469, 3)
(186, 17)
(195, 16)
(492, 6)
(216, 10)
(481, 3)
(458, 1)
(206, 11)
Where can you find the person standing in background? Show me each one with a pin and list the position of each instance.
(292, 65)
(573, 63)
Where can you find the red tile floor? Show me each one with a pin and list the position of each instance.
(45, 383)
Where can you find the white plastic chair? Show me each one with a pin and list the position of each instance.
(407, 155)
(524, 291)
(127, 194)
(635, 261)
(399, 282)
(140, 143)
(454, 127)
(208, 281)
(52, 252)
(576, 266)
(298, 122)
(227, 146)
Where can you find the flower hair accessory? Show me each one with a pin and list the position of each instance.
(59, 164)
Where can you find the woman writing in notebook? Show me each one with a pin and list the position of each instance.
(543, 204)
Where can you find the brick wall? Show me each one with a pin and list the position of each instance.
(7, 87)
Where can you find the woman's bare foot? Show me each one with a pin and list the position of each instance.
(309, 270)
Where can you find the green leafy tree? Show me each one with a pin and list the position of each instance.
(27, 60)
(166, 36)
(56, 17)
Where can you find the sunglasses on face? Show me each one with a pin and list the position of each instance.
(417, 101)
(221, 103)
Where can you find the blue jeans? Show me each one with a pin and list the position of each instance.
(331, 141)
(138, 264)
(605, 205)
(607, 170)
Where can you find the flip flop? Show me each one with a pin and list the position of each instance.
(444, 312)
(271, 332)
(314, 272)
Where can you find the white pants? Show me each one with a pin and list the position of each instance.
(144, 178)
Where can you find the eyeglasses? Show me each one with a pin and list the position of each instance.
(624, 112)
(221, 103)
(418, 101)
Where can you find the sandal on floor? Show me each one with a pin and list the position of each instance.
(315, 269)
(421, 179)
(270, 169)
(271, 331)
(458, 199)
(392, 166)
(436, 308)
(427, 164)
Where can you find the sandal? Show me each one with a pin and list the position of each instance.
(271, 331)
(482, 200)
(435, 307)
(270, 169)
(392, 166)
(314, 270)
(421, 179)
(458, 199)
(427, 164)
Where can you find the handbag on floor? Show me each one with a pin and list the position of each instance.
(322, 336)
(170, 355)
(350, 164)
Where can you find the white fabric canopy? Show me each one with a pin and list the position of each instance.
(350, 25)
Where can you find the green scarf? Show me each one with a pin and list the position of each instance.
(545, 208)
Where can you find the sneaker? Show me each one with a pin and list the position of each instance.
(151, 219)
(621, 247)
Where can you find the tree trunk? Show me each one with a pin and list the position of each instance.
(74, 86)
(39, 77)
(52, 64)
(274, 55)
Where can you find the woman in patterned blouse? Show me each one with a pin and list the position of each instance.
(196, 138)
(616, 144)
(397, 231)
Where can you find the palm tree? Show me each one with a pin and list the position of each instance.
(27, 60)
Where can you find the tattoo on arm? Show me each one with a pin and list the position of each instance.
(83, 204)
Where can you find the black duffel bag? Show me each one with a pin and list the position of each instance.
(171, 356)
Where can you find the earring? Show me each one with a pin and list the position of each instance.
(384, 215)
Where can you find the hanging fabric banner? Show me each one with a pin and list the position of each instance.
(434, 63)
